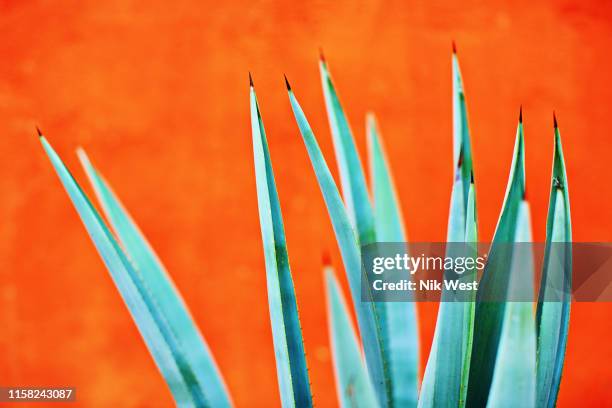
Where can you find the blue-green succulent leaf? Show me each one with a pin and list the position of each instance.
(367, 319)
(462, 150)
(354, 189)
(493, 285)
(291, 366)
(352, 383)
(514, 377)
(554, 299)
(167, 352)
(161, 288)
(465, 167)
(402, 339)
(352, 178)
(447, 370)
(443, 373)
(471, 240)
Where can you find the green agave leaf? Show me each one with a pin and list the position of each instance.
(353, 185)
(291, 366)
(514, 377)
(367, 319)
(489, 314)
(352, 179)
(442, 381)
(167, 353)
(554, 299)
(465, 170)
(161, 288)
(359, 209)
(471, 239)
(402, 340)
(446, 373)
(462, 151)
(352, 382)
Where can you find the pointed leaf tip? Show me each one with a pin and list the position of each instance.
(555, 120)
(250, 80)
(321, 55)
(454, 47)
(287, 83)
(472, 177)
(521, 114)
(39, 132)
(460, 160)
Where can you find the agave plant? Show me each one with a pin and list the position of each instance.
(483, 353)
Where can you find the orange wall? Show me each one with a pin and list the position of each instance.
(157, 93)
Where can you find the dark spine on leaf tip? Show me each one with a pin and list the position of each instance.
(322, 56)
(287, 83)
(454, 47)
(38, 131)
(555, 120)
(521, 114)
(250, 80)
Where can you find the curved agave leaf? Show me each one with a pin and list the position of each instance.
(446, 373)
(356, 198)
(402, 343)
(352, 179)
(464, 159)
(554, 299)
(514, 377)
(471, 240)
(352, 383)
(367, 319)
(355, 194)
(161, 287)
(462, 150)
(442, 381)
(167, 352)
(291, 366)
(493, 285)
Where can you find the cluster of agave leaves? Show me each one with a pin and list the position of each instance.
(483, 353)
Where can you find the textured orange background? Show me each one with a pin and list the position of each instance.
(157, 94)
